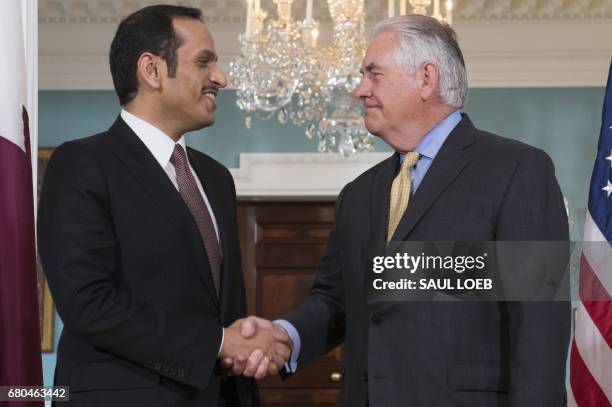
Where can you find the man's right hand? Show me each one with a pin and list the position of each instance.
(255, 347)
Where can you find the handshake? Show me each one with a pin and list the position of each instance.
(255, 347)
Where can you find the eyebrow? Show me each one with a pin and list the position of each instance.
(368, 68)
(207, 56)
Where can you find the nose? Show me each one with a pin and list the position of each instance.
(363, 89)
(218, 77)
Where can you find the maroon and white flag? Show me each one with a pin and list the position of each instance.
(20, 357)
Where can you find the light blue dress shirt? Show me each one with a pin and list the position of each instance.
(428, 149)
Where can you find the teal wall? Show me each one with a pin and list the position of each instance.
(68, 115)
(48, 359)
(562, 121)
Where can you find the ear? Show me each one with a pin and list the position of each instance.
(150, 70)
(430, 80)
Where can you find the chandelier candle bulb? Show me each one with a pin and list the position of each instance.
(249, 18)
(391, 8)
(449, 12)
(436, 12)
(315, 35)
(403, 7)
(309, 10)
(257, 8)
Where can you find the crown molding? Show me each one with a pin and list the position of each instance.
(232, 11)
(280, 175)
(482, 10)
(518, 43)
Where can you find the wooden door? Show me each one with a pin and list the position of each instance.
(282, 243)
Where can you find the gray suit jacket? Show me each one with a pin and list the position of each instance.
(480, 187)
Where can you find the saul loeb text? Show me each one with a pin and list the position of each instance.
(428, 272)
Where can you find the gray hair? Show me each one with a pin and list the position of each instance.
(425, 39)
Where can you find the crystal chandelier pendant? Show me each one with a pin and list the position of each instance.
(420, 6)
(341, 122)
(267, 70)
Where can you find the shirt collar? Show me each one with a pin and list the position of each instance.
(433, 141)
(156, 141)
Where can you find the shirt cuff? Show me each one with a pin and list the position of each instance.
(291, 365)
(222, 338)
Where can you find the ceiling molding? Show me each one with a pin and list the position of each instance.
(506, 43)
(232, 11)
(283, 175)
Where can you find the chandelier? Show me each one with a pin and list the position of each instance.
(282, 71)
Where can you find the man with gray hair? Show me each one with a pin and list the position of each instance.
(446, 181)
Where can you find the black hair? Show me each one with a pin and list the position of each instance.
(146, 30)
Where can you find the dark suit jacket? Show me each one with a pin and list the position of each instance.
(130, 277)
(480, 187)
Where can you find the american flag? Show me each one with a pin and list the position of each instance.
(591, 354)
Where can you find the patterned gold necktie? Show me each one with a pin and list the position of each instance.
(400, 192)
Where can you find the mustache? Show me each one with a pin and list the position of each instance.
(214, 89)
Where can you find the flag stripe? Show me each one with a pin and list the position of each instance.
(594, 351)
(595, 299)
(590, 287)
(585, 389)
(13, 78)
(571, 401)
(598, 252)
(601, 315)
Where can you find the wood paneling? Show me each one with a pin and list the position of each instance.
(282, 243)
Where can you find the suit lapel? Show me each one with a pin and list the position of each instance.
(154, 180)
(449, 162)
(381, 187)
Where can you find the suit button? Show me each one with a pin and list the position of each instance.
(364, 377)
(376, 318)
(166, 369)
(173, 371)
(157, 366)
(181, 373)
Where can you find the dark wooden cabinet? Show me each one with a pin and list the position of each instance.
(282, 243)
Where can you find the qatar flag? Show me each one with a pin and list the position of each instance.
(20, 357)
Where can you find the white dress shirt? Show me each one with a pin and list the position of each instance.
(162, 146)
